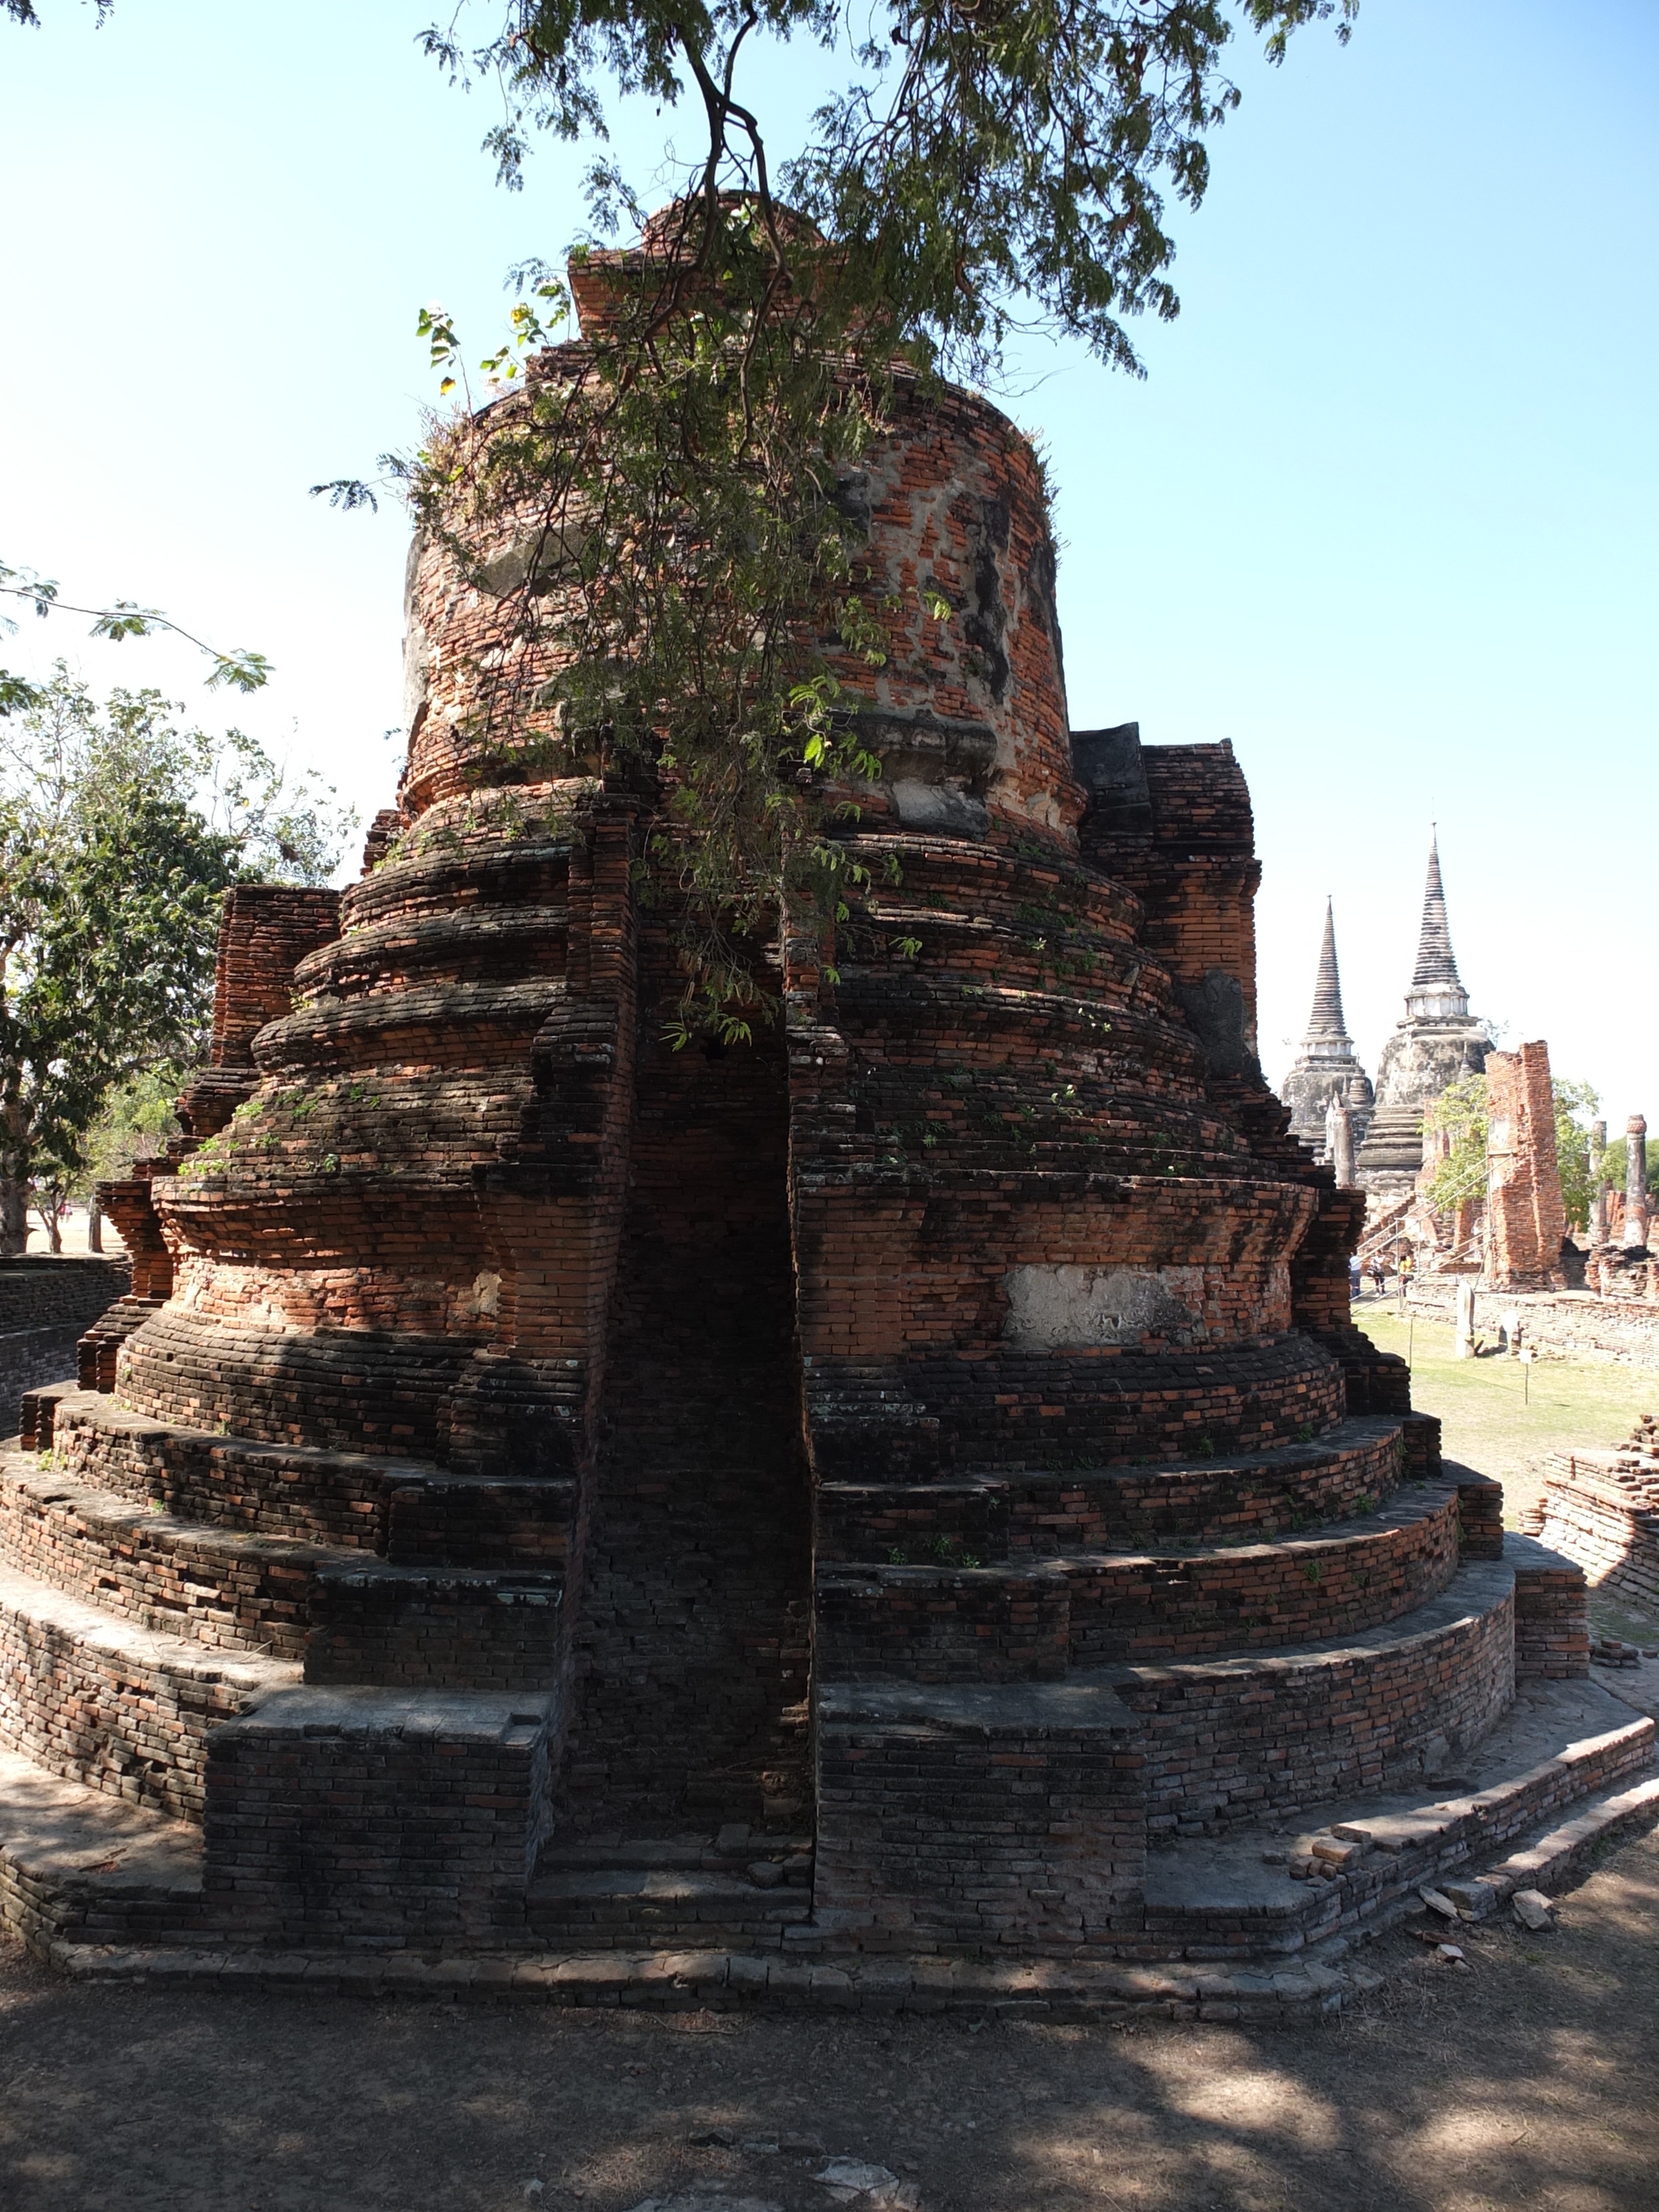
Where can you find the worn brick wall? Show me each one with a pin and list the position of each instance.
(148, 1567)
(1551, 1620)
(41, 1292)
(1525, 1219)
(421, 1829)
(44, 1305)
(101, 1715)
(1228, 1741)
(973, 1823)
(1600, 1510)
(265, 930)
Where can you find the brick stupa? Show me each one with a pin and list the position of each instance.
(840, 1509)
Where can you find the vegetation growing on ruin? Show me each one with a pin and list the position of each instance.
(694, 574)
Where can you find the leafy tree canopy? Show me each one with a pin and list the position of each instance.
(242, 670)
(118, 832)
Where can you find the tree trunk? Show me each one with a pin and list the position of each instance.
(94, 1224)
(14, 1167)
(14, 1216)
(51, 1220)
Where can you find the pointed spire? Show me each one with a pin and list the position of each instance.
(1326, 1019)
(1435, 964)
(1436, 989)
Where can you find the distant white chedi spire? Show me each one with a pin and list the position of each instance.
(1327, 1069)
(1437, 1043)
(1437, 992)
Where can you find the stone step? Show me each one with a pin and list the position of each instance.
(448, 947)
(1028, 1415)
(1229, 1738)
(656, 1908)
(413, 1512)
(347, 1617)
(445, 1023)
(442, 1627)
(1031, 1621)
(120, 1707)
(80, 1867)
(210, 1586)
(1351, 1866)
(1237, 1497)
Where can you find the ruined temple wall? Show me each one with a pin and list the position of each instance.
(265, 931)
(1196, 876)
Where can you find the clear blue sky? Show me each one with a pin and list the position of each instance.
(1383, 512)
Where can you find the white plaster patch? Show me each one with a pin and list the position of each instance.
(1068, 1308)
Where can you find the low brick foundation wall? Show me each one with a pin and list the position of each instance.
(351, 1818)
(1551, 1620)
(1601, 1510)
(987, 1818)
(1578, 1324)
(28, 1358)
(45, 1303)
(46, 1290)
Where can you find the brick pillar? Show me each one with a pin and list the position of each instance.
(1636, 1183)
(1525, 1219)
(1598, 1225)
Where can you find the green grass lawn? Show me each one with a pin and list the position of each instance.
(1498, 1418)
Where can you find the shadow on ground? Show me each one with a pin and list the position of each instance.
(1526, 2081)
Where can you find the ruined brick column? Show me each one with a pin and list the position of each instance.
(1525, 1218)
(1598, 1225)
(1636, 1183)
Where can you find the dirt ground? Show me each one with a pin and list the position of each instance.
(1527, 2082)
